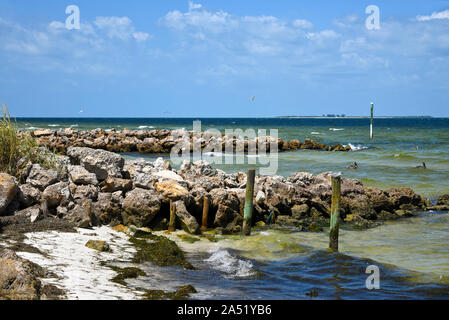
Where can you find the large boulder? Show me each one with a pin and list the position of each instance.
(80, 175)
(191, 170)
(103, 163)
(171, 190)
(443, 200)
(8, 191)
(29, 195)
(40, 178)
(56, 194)
(116, 184)
(107, 208)
(140, 206)
(19, 278)
(404, 196)
(188, 222)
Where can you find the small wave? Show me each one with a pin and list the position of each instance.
(145, 127)
(31, 128)
(54, 125)
(356, 147)
(73, 126)
(233, 266)
(335, 129)
(315, 133)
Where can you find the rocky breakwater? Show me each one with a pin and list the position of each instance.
(97, 187)
(162, 141)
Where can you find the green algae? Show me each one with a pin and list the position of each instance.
(126, 273)
(182, 293)
(188, 238)
(159, 250)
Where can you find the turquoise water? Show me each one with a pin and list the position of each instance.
(388, 160)
(412, 254)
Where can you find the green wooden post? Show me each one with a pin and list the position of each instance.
(248, 211)
(371, 133)
(171, 225)
(335, 212)
(205, 213)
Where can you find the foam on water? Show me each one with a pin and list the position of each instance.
(356, 147)
(232, 265)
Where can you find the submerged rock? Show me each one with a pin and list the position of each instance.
(159, 250)
(98, 245)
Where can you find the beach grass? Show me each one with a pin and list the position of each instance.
(17, 149)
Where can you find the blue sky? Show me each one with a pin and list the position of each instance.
(208, 58)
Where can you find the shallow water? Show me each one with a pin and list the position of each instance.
(412, 254)
(388, 160)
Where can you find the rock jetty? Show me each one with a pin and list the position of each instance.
(95, 187)
(160, 141)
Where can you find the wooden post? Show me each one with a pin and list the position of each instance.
(248, 211)
(171, 225)
(371, 134)
(205, 213)
(335, 212)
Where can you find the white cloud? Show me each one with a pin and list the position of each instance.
(194, 6)
(302, 24)
(434, 16)
(215, 22)
(141, 36)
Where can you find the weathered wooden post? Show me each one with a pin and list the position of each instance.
(335, 212)
(171, 225)
(248, 211)
(371, 133)
(205, 213)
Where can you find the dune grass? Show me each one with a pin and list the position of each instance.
(18, 149)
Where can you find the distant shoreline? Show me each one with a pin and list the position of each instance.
(273, 117)
(355, 117)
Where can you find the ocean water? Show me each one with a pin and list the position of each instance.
(412, 254)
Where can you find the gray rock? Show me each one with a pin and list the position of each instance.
(161, 165)
(57, 194)
(40, 178)
(103, 163)
(80, 175)
(80, 216)
(116, 184)
(168, 175)
(8, 191)
(188, 222)
(300, 211)
(17, 280)
(84, 192)
(200, 168)
(260, 197)
(29, 195)
(140, 206)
